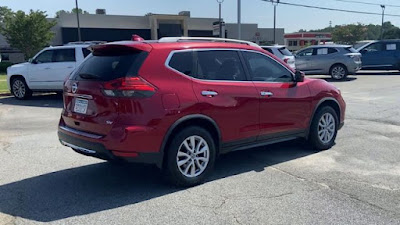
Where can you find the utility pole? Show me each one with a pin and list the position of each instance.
(239, 19)
(220, 20)
(383, 18)
(77, 18)
(275, 4)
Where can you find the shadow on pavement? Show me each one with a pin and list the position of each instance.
(377, 73)
(37, 100)
(337, 81)
(97, 187)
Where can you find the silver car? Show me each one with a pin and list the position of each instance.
(283, 53)
(335, 60)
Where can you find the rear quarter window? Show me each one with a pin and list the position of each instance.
(285, 52)
(182, 62)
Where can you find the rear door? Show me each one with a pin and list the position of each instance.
(284, 106)
(323, 58)
(226, 95)
(87, 107)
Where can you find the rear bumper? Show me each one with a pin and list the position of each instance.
(98, 150)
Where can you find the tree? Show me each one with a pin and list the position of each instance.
(349, 34)
(28, 32)
(4, 11)
(80, 11)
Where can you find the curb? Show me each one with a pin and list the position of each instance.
(5, 94)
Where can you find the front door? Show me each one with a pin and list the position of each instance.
(50, 68)
(285, 106)
(377, 56)
(227, 96)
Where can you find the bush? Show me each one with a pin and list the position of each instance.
(4, 65)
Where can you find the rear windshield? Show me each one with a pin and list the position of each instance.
(109, 65)
(351, 49)
(285, 51)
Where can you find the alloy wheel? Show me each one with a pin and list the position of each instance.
(193, 156)
(326, 128)
(19, 89)
(338, 72)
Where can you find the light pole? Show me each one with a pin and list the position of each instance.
(239, 19)
(383, 17)
(275, 4)
(77, 18)
(220, 20)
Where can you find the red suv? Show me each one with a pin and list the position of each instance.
(180, 102)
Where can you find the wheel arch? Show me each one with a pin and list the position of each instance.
(14, 76)
(328, 101)
(191, 120)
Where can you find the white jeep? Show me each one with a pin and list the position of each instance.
(46, 71)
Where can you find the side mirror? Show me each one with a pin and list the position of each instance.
(298, 76)
(33, 61)
(362, 51)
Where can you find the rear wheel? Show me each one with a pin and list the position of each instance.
(20, 89)
(338, 72)
(190, 157)
(323, 128)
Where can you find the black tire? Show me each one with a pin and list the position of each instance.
(20, 89)
(338, 72)
(171, 170)
(314, 138)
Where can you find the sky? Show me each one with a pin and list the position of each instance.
(253, 11)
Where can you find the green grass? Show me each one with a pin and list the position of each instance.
(3, 84)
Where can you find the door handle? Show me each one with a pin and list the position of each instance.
(70, 67)
(47, 68)
(209, 93)
(266, 93)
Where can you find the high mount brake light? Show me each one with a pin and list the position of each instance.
(128, 87)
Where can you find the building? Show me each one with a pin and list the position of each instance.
(103, 27)
(296, 41)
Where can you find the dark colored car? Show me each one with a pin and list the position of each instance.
(381, 55)
(180, 103)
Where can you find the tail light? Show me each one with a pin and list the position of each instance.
(129, 87)
(286, 60)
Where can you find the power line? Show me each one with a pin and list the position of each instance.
(330, 9)
(367, 3)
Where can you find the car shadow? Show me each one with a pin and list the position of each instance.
(37, 100)
(97, 187)
(347, 79)
(379, 72)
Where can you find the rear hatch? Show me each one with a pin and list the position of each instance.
(92, 93)
(354, 54)
(288, 57)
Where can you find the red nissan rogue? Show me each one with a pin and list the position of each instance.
(181, 102)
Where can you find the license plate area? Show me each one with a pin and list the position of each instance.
(81, 105)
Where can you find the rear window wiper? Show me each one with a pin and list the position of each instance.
(89, 76)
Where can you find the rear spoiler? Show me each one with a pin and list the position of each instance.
(133, 45)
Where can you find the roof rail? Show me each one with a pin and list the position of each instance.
(177, 39)
(85, 43)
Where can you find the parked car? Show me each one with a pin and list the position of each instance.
(283, 53)
(181, 102)
(381, 55)
(335, 60)
(46, 71)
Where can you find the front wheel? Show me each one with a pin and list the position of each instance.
(190, 157)
(20, 89)
(323, 128)
(339, 72)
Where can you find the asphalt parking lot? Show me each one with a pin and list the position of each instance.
(355, 182)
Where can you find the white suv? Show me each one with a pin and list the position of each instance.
(46, 71)
(283, 53)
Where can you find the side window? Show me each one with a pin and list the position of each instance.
(45, 57)
(306, 52)
(269, 50)
(391, 46)
(64, 55)
(219, 65)
(321, 51)
(263, 68)
(332, 50)
(374, 47)
(85, 52)
(183, 62)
